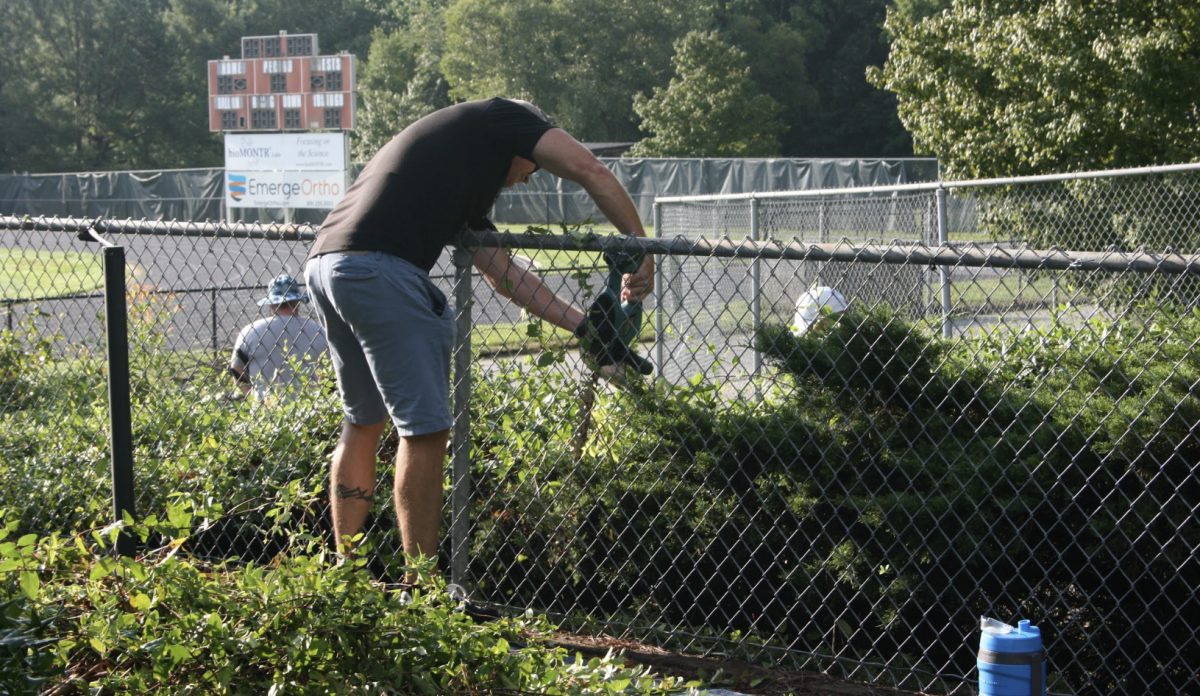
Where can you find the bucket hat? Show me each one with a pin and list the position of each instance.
(283, 289)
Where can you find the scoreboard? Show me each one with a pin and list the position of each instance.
(281, 83)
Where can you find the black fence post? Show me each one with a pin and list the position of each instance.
(119, 413)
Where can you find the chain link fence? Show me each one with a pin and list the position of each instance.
(995, 427)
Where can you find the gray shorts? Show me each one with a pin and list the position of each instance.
(390, 333)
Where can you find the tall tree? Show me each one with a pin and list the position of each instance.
(579, 60)
(852, 118)
(1001, 88)
(711, 109)
(20, 135)
(105, 76)
(811, 56)
(402, 79)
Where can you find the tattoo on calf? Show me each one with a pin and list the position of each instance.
(353, 493)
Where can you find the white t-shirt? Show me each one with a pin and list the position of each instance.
(269, 348)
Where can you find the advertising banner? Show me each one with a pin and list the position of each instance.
(251, 189)
(285, 170)
(266, 152)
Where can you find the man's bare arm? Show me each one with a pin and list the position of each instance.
(562, 155)
(525, 288)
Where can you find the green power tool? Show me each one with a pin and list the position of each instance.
(612, 325)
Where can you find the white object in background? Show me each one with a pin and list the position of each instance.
(808, 307)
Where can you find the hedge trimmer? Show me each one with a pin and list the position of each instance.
(608, 331)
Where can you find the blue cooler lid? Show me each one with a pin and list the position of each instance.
(1022, 639)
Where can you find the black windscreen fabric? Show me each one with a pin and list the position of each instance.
(196, 195)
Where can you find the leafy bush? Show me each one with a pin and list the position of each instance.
(23, 352)
(165, 622)
(889, 484)
(187, 437)
(888, 474)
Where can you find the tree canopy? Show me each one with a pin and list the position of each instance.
(121, 84)
(85, 100)
(579, 60)
(1003, 88)
(711, 108)
(402, 81)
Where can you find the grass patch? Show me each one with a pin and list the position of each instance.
(1008, 291)
(534, 336)
(27, 275)
(556, 261)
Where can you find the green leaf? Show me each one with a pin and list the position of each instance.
(845, 627)
(178, 653)
(134, 568)
(179, 517)
(30, 583)
(103, 567)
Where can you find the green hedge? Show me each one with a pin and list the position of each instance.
(889, 486)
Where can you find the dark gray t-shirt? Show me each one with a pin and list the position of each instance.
(438, 176)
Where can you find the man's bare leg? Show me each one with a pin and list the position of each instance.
(352, 478)
(418, 493)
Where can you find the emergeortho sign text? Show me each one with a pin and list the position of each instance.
(285, 189)
(307, 187)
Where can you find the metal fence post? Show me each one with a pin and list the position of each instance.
(943, 240)
(460, 491)
(214, 323)
(927, 228)
(119, 413)
(756, 286)
(659, 276)
(822, 234)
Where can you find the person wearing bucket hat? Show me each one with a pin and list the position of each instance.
(390, 328)
(268, 352)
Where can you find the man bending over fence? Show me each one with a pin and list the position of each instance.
(390, 328)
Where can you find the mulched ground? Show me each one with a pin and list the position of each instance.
(741, 677)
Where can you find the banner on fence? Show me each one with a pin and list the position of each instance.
(285, 170)
(284, 189)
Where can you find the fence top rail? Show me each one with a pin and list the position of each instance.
(897, 252)
(107, 172)
(240, 230)
(934, 185)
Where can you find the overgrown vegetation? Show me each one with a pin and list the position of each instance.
(887, 488)
(78, 620)
(890, 487)
(23, 352)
